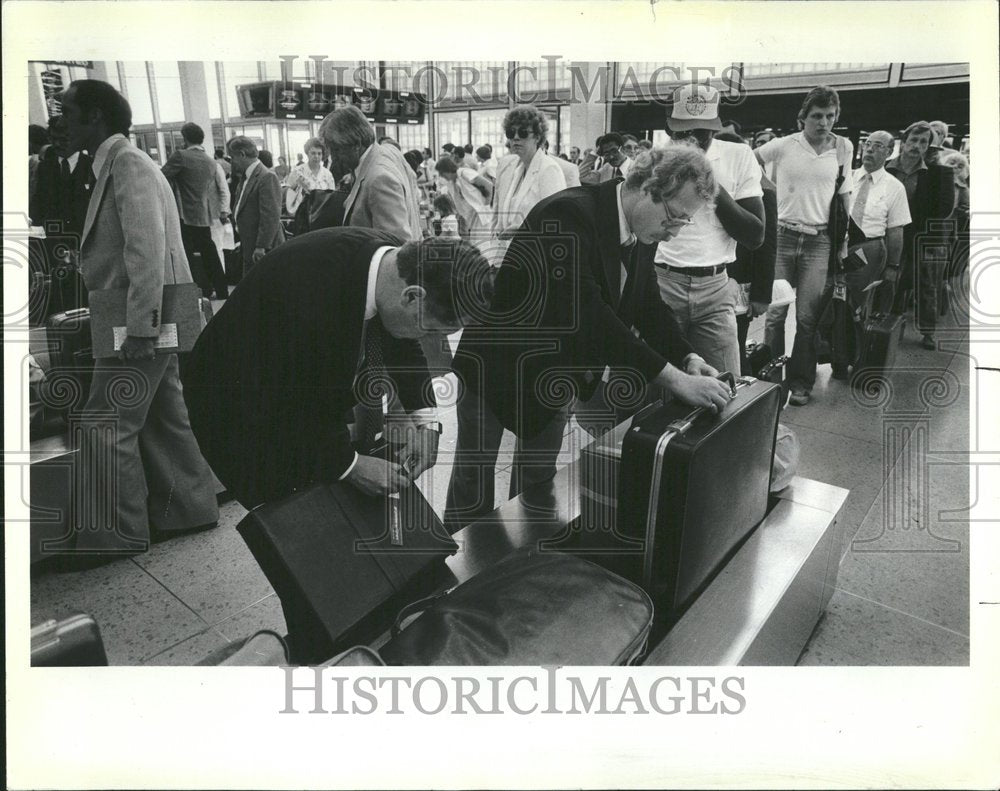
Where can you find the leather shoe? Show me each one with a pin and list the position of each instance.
(799, 397)
(840, 372)
(929, 343)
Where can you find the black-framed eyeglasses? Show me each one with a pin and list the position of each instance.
(674, 220)
(876, 145)
(523, 134)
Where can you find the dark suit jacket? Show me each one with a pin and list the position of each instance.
(557, 312)
(756, 267)
(933, 199)
(258, 221)
(191, 172)
(56, 199)
(271, 377)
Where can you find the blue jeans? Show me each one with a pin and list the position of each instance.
(803, 261)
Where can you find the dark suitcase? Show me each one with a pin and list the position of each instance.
(70, 355)
(71, 642)
(344, 563)
(880, 340)
(763, 364)
(690, 487)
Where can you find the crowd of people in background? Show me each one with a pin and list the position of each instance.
(706, 226)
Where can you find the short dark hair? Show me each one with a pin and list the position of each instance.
(610, 137)
(449, 147)
(484, 152)
(820, 96)
(193, 133)
(38, 136)
(454, 274)
(735, 125)
(468, 148)
(114, 108)
(917, 128)
(633, 138)
(444, 205)
(729, 137)
(241, 144)
(265, 158)
(220, 153)
(446, 165)
(414, 158)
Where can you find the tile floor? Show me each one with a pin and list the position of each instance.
(903, 590)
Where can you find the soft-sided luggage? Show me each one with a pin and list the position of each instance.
(531, 608)
(72, 642)
(879, 343)
(343, 563)
(670, 504)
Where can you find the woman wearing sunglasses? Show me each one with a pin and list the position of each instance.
(525, 177)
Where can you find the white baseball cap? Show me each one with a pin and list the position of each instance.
(695, 107)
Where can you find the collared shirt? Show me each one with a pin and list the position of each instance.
(101, 155)
(420, 416)
(907, 177)
(364, 156)
(886, 205)
(804, 178)
(705, 242)
(243, 190)
(72, 159)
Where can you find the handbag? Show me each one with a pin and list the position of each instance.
(836, 227)
(531, 608)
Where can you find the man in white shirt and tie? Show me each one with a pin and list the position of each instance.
(879, 210)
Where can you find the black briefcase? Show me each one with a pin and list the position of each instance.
(72, 642)
(880, 341)
(70, 355)
(668, 506)
(343, 563)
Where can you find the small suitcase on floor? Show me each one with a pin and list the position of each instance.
(343, 563)
(685, 489)
(70, 354)
(72, 642)
(880, 341)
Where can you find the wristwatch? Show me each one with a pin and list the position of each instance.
(433, 425)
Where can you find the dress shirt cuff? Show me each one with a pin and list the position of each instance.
(351, 467)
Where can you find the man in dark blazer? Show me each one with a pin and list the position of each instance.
(930, 192)
(576, 293)
(64, 181)
(256, 202)
(274, 377)
(191, 172)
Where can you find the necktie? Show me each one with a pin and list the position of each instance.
(372, 385)
(66, 172)
(617, 172)
(858, 210)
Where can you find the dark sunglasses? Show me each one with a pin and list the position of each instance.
(524, 134)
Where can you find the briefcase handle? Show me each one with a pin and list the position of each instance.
(681, 425)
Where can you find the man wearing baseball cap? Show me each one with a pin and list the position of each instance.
(691, 267)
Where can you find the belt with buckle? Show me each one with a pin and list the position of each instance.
(809, 230)
(695, 271)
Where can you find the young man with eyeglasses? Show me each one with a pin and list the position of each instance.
(576, 295)
(691, 268)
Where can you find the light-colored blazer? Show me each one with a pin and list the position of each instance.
(570, 171)
(132, 236)
(192, 173)
(513, 201)
(385, 195)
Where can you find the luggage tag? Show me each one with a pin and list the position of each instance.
(840, 292)
(395, 523)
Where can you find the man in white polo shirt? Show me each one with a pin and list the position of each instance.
(691, 267)
(807, 165)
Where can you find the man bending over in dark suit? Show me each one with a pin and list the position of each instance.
(312, 328)
(576, 293)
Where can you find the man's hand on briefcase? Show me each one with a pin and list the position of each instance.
(420, 451)
(702, 391)
(378, 477)
(134, 348)
(698, 367)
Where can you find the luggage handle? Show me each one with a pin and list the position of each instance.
(415, 607)
(681, 425)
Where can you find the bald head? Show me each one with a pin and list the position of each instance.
(877, 149)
